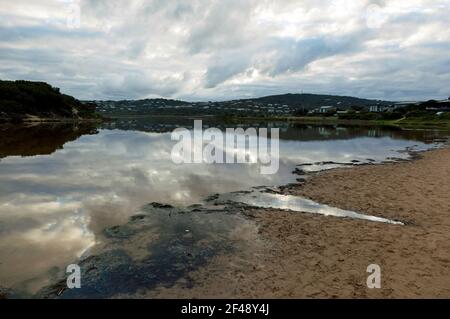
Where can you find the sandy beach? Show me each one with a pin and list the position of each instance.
(299, 255)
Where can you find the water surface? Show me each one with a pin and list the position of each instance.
(61, 186)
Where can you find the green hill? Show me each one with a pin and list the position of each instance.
(311, 101)
(22, 100)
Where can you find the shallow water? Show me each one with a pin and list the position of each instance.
(262, 199)
(157, 247)
(60, 187)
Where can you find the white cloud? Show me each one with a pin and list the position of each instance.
(393, 49)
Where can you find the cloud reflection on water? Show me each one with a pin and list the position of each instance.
(54, 207)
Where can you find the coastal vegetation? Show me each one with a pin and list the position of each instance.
(38, 101)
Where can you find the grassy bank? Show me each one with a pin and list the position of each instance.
(420, 123)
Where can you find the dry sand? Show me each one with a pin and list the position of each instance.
(301, 255)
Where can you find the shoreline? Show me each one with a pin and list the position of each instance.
(41, 120)
(300, 255)
(418, 125)
(443, 125)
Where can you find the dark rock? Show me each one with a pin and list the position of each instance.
(298, 171)
(119, 231)
(159, 205)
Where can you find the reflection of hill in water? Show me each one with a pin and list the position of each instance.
(44, 139)
(288, 131)
(40, 139)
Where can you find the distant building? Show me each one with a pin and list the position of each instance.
(327, 109)
(377, 108)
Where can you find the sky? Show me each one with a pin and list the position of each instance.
(225, 49)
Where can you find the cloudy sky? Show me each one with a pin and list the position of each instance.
(223, 49)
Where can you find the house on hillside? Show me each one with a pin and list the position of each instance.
(323, 110)
(377, 108)
(327, 109)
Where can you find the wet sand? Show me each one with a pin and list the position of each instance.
(299, 255)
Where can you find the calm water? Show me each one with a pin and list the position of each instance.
(61, 186)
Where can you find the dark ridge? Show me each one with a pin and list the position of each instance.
(25, 100)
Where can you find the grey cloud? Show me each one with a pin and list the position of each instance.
(138, 85)
(12, 34)
(224, 68)
(295, 55)
(223, 25)
(286, 55)
(137, 48)
(30, 56)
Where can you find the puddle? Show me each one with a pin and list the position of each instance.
(261, 199)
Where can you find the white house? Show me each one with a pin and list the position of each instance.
(377, 108)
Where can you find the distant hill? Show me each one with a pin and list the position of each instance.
(276, 105)
(152, 102)
(311, 101)
(22, 100)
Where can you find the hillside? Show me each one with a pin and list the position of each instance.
(280, 105)
(311, 101)
(23, 100)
